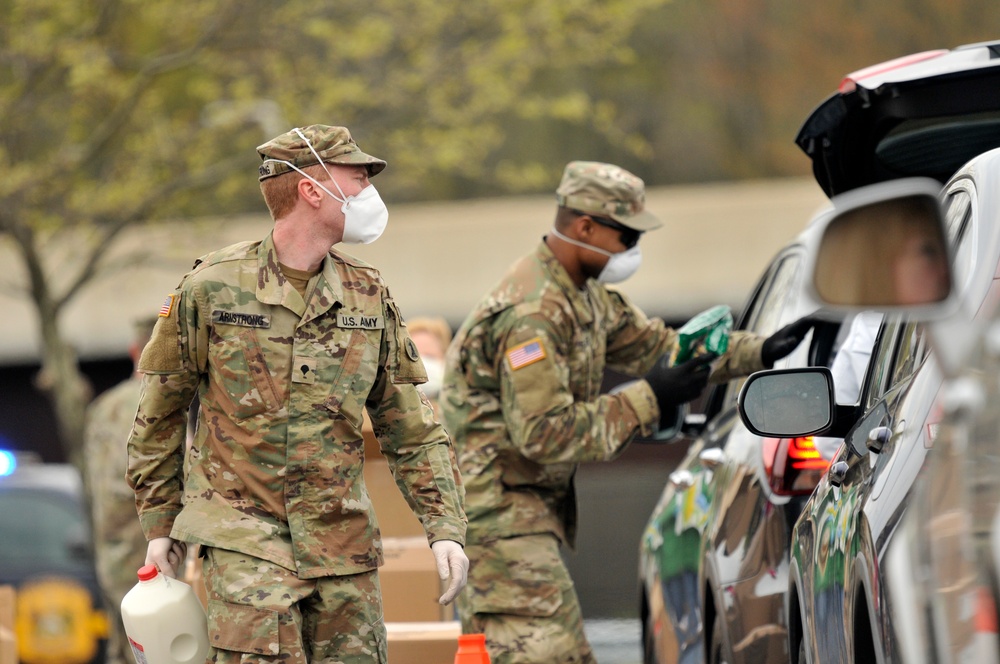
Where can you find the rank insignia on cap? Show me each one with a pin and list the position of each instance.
(168, 306)
(525, 354)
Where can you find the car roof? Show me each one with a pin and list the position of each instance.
(924, 114)
(57, 477)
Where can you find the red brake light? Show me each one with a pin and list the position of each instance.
(805, 456)
(793, 465)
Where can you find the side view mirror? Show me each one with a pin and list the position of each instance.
(788, 403)
(884, 247)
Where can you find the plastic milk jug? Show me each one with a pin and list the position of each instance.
(164, 620)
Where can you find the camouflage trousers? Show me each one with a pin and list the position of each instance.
(520, 595)
(261, 612)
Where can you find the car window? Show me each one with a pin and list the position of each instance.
(40, 528)
(899, 350)
(781, 295)
(778, 293)
(911, 348)
(879, 376)
(961, 235)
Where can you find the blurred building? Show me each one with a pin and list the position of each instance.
(438, 259)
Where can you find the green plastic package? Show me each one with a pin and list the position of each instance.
(707, 332)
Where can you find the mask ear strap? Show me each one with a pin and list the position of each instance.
(321, 163)
(581, 244)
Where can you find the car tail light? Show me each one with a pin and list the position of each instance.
(793, 465)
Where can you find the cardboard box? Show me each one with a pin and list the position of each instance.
(410, 583)
(395, 518)
(8, 643)
(423, 642)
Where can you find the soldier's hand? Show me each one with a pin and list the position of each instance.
(785, 340)
(167, 554)
(451, 563)
(676, 385)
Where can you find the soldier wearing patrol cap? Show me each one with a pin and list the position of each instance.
(287, 342)
(521, 400)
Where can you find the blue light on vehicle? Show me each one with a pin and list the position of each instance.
(7, 463)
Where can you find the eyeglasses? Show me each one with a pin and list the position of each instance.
(629, 236)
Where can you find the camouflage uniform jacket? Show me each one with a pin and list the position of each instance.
(522, 400)
(275, 470)
(119, 544)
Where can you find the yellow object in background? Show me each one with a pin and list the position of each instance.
(55, 623)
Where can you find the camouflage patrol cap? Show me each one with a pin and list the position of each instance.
(606, 190)
(333, 144)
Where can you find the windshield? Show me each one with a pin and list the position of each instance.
(41, 530)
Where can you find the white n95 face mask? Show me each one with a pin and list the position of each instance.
(619, 267)
(435, 377)
(365, 215)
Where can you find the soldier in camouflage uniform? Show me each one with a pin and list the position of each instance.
(287, 342)
(119, 544)
(521, 400)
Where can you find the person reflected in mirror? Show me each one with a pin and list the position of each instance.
(898, 249)
(920, 273)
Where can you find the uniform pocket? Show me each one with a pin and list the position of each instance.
(243, 374)
(407, 367)
(521, 576)
(353, 382)
(242, 628)
(381, 642)
(516, 598)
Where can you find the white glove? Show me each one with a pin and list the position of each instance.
(451, 562)
(167, 554)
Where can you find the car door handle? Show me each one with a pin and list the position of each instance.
(711, 458)
(877, 438)
(682, 479)
(837, 473)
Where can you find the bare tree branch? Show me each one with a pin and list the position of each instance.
(158, 66)
(112, 228)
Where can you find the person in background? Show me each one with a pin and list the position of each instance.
(432, 335)
(287, 341)
(522, 400)
(119, 543)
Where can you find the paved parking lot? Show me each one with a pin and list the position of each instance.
(615, 641)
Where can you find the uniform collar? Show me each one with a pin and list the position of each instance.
(324, 289)
(578, 297)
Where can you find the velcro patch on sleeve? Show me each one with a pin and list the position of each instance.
(168, 306)
(527, 353)
(162, 353)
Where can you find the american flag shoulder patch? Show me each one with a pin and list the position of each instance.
(168, 306)
(527, 353)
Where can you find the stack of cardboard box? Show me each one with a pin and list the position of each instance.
(420, 630)
(8, 644)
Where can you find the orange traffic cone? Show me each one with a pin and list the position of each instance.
(472, 649)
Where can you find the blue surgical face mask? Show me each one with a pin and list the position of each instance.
(619, 267)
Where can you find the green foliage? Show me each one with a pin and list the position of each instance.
(119, 112)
